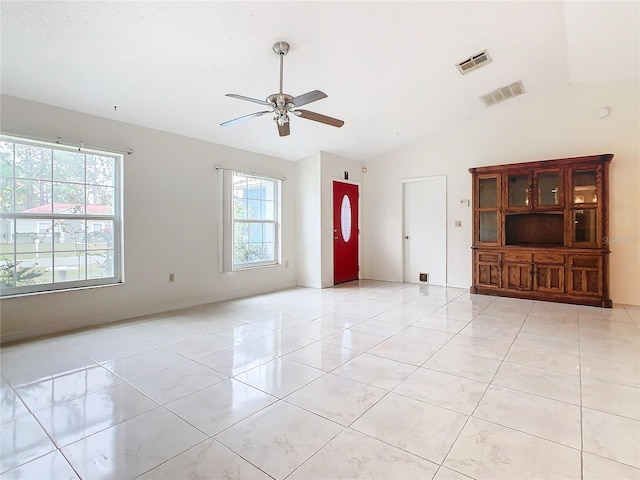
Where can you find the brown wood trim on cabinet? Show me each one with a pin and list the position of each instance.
(544, 238)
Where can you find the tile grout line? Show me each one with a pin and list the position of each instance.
(486, 389)
(457, 436)
(581, 407)
(70, 464)
(208, 438)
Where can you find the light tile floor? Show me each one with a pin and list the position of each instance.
(365, 380)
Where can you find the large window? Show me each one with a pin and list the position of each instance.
(60, 220)
(255, 221)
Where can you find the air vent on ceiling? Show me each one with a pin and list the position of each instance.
(502, 94)
(474, 62)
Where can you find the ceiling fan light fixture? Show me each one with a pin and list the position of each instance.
(282, 119)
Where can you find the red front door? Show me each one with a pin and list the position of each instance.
(345, 232)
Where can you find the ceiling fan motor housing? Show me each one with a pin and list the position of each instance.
(282, 107)
(280, 99)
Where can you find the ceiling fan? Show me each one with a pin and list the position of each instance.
(283, 104)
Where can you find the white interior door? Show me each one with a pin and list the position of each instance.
(425, 230)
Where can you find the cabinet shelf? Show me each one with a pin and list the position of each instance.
(534, 229)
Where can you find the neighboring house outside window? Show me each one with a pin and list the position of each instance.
(60, 217)
(255, 204)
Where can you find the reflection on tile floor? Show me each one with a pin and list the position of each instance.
(368, 379)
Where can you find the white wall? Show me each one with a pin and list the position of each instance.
(171, 210)
(315, 215)
(333, 168)
(559, 124)
(309, 271)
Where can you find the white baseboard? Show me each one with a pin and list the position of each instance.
(309, 285)
(130, 315)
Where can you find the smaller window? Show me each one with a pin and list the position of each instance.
(255, 203)
(44, 228)
(96, 227)
(345, 218)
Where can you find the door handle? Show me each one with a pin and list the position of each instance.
(406, 237)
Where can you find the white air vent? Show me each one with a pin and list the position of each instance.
(502, 94)
(474, 62)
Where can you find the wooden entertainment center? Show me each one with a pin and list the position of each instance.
(540, 230)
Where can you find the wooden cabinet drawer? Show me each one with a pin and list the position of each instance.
(517, 257)
(548, 258)
(585, 261)
(488, 257)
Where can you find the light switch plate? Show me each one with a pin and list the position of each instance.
(458, 223)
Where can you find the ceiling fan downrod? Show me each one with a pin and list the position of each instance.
(281, 100)
(281, 48)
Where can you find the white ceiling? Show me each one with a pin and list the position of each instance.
(388, 67)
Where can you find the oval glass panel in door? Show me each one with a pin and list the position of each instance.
(345, 218)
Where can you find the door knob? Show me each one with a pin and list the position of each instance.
(406, 237)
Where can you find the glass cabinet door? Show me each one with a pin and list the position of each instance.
(585, 208)
(585, 227)
(549, 192)
(518, 190)
(585, 187)
(488, 190)
(488, 209)
(489, 226)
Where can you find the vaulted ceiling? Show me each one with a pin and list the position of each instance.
(389, 68)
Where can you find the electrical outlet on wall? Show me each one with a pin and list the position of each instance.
(458, 223)
(172, 277)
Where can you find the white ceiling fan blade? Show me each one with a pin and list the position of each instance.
(242, 119)
(308, 97)
(249, 99)
(317, 117)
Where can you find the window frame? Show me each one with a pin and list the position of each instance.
(275, 222)
(116, 218)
